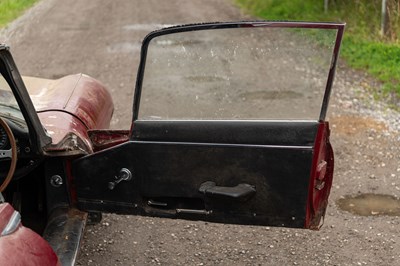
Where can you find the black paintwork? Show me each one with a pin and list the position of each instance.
(56, 196)
(285, 133)
(173, 173)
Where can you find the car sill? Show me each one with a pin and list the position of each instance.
(64, 233)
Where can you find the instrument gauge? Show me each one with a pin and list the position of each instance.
(3, 138)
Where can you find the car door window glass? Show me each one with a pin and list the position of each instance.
(8, 105)
(237, 74)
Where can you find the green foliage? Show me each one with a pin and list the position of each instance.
(282, 9)
(380, 59)
(363, 47)
(11, 9)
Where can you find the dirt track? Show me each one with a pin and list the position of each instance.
(102, 38)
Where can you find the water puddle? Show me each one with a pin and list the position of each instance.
(268, 95)
(370, 205)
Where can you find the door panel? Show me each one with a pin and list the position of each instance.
(284, 133)
(228, 126)
(168, 178)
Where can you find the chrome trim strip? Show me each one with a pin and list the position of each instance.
(226, 145)
(190, 211)
(232, 120)
(5, 153)
(13, 224)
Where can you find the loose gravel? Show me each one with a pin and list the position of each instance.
(63, 37)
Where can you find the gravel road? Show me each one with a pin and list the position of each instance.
(102, 38)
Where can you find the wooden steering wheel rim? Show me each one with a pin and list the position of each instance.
(13, 164)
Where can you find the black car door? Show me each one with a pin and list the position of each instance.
(228, 126)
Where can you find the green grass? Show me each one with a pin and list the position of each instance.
(363, 47)
(382, 60)
(11, 9)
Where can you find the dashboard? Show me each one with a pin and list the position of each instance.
(3, 139)
(27, 158)
(21, 135)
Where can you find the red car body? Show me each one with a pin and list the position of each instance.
(75, 105)
(22, 246)
(72, 104)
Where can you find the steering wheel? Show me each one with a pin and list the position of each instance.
(11, 153)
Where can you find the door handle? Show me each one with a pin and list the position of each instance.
(240, 192)
(123, 175)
